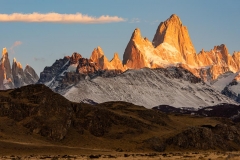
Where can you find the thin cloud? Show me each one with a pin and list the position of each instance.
(39, 59)
(154, 22)
(135, 20)
(15, 44)
(58, 18)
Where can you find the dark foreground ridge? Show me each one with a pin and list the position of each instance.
(224, 110)
(35, 115)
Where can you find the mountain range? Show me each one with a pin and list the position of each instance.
(151, 73)
(162, 97)
(172, 45)
(170, 57)
(15, 77)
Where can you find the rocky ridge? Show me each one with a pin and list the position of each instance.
(67, 72)
(15, 77)
(172, 45)
(174, 86)
(80, 79)
(228, 84)
(230, 111)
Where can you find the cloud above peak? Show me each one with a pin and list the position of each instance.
(58, 18)
(15, 44)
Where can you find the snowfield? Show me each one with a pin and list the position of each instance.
(223, 80)
(149, 87)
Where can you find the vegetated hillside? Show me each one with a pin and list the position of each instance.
(34, 118)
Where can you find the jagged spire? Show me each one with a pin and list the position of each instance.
(136, 34)
(175, 19)
(4, 52)
(96, 54)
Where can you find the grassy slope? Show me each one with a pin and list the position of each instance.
(107, 127)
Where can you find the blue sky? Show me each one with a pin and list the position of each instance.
(209, 23)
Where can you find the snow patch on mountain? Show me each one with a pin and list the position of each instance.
(235, 88)
(152, 58)
(223, 80)
(149, 87)
(169, 47)
(72, 68)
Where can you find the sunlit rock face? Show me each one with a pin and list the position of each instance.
(100, 59)
(236, 58)
(5, 71)
(135, 55)
(172, 35)
(218, 61)
(15, 77)
(117, 63)
(172, 46)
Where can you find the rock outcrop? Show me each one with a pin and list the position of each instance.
(74, 59)
(86, 66)
(48, 74)
(33, 102)
(207, 138)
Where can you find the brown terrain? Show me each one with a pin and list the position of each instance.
(36, 121)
